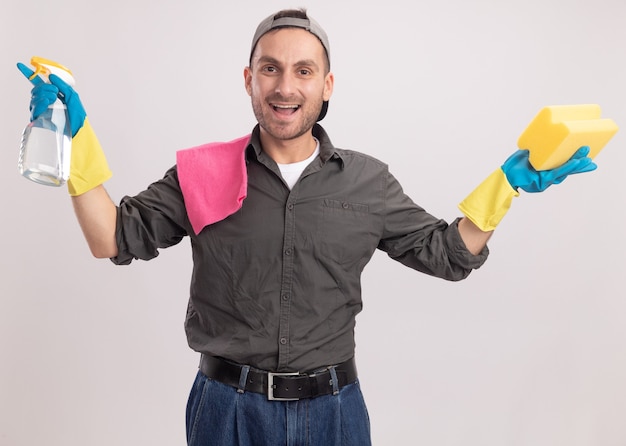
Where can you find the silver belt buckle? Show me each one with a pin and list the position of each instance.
(270, 386)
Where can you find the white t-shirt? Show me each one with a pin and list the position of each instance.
(291, 172)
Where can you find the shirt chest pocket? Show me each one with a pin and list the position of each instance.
(347, 232)
(344, 209)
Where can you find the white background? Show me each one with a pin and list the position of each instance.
(530, 350)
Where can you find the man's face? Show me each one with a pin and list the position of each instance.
(288, 81)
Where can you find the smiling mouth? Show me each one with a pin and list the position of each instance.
(285, 109)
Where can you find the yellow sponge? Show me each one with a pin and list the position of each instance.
(559, 130)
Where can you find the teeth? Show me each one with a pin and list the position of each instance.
(286, 107)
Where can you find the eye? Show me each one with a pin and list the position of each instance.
(270, 69)
(304, 72)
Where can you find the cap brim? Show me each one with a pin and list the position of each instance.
(323, 111)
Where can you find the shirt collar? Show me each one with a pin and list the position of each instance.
(327, 149)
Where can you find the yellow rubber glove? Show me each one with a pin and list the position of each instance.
(489, 202)
(88, 165)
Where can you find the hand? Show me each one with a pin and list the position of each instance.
(44, 94)
(521, 174)
(88, 166)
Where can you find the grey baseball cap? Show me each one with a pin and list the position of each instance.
(278, 20)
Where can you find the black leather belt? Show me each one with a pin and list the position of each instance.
(280, 386)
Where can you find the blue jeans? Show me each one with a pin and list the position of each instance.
(218, 415)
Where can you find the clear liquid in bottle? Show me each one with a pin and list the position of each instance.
(45, 149)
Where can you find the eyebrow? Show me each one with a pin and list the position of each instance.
(274, 61)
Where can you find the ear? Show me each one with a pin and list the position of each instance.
(247, 75)
(329, 84)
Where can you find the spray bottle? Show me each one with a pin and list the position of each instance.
(46, 146)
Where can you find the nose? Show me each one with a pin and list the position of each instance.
(286, 85)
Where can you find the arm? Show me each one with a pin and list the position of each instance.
(97, 215)
(426, 243)
(474, 238)
(94, 209)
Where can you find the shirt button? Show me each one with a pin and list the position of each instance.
(285, 297)
(288, 251)
(345, 205)
(283, 341)
(290, 206)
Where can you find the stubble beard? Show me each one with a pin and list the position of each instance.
(285, 132)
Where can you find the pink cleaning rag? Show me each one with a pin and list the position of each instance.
(213, 179)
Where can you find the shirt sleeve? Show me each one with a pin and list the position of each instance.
(155, 218)
(423, 242)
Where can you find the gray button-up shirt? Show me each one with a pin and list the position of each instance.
(277, 284)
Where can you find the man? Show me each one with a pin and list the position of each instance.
(282, 224)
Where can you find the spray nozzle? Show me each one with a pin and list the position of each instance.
(45, 67)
